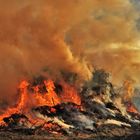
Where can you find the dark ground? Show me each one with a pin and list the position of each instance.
(104, 133)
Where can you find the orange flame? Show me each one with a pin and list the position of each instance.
(49, 97)
(128, 94)
(70, 94)
(23, 90)
(128, 91)
(132, 109)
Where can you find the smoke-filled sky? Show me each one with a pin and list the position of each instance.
(72, 35)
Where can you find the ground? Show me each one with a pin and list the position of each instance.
(114, 133)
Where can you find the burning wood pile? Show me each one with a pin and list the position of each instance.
(58, 108)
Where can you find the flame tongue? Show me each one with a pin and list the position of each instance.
(51, 95)
(69, 94)
(128, 94)
(23, 90)
(29, 99)
(131, 108)
(128, 91)
(22, 101)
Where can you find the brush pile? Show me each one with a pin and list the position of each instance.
(52, 110)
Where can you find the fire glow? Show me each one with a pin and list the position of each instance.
(31, 96)
(57, 107)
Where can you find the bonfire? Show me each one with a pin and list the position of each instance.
(47, 107)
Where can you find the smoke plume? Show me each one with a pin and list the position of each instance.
(73, 35)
